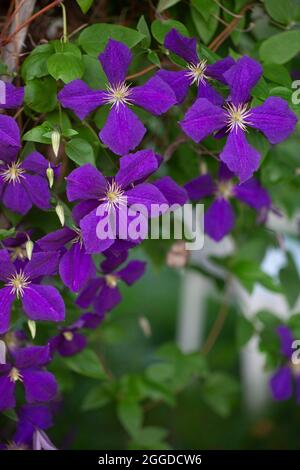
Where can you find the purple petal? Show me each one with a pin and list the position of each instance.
(9, 138)
(145, 194)
(274, 119)
(178, 81)
(54, 241)
(80, 98)
(107, 299)
(7, 393)
(43, 303)
(253, 194)
(241, 78)
(6, 300)
(37, 415)
(71, 347)
(85, 183)
(40, 386)
(202, 119)
(16, 198)
(173, 193)
(286, 340)
(219, 219)
(92, 243)
(155, 96)
(42, 264)
(88, 294)
(14, 97)
(182, 46)
(6, 266)
(224, 173)
(76, 267)
(205, 90)
(132, 272)
(281, 384)
(32, 356)
(200, 187)
(113, 260)
(136, 167)
(123, 130)
(115, 60)
(38, 190)
(83, 208)
(217, 70)
(36, 163)
(242, 159)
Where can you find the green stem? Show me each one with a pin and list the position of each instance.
(65, 28)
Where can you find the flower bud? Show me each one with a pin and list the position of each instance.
(2, 352)
(50, 176)
(60, 213)
(55, 140)
(32, 328)
(29, 248)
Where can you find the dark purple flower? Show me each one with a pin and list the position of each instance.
(10, 96)
(281, 382)
(70, 341)
(24, 183)
(103, 291)
(123, 130)
(27, 367)
(273, 118)
(197, 70)
(33, 419)
(39, 302)
(116, 195)
(75, 266)
(219, 217)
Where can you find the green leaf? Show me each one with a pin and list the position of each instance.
(96, 398)
(160, 28)
(165, 4)
(244, 331)
(6, 233)
(280, 48)
(142, 27)
(40, 94)
(86, 363)
(277, 74)
(151, 437)
(249, 273)
(35, 65)
(206, 8)
(37, 134)
(154, 58)
(93, 39)
(290, 281)
(85, 5)
(283, 12)
(131, 415)
(206, 28)
(219, 392)
(80, 151)
(93, 73)
(65, 66)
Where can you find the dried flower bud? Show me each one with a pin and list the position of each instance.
(32, 328)
(60, 213)
(29, 248)
(50, 176)
(55, 140)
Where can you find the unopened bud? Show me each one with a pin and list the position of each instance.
(32, 328)
(50, 176)
(55, 140)
(60, 213)
(29, 248)
(2, 352)
(145, 326)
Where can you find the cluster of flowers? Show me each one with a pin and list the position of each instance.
(68, 252)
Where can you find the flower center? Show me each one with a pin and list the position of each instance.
(225, 189)
(114, 196)
(118, 94)
(196, 72)
(237, 117)
(18, 252)
(15, 375)
(14, 446)
(68, 335)
(18, 283)
(78, 236)
(111, 280)
(13, 173)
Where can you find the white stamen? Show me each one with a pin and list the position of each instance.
(18, 283)
(111, 280)
(196, 72)
(13, 173)
(225, 189)
(15, 375)
(118, 94)
(114, 196)
(78, 238)
(237, 117)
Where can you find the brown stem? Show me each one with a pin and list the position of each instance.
(142, 72)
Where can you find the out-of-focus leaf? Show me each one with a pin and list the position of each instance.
(219, 392)
(165, 4)
(131, 415)
(86, 363)
(290, 281)
(280, 48)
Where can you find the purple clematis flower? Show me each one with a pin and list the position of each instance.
(123, 130)
(27, 367)
(39, 302)
(70, 341)
(116, 195)
(197, 70)
(33, 421)
(75, 266)
(10, 96)
(273, 118)
(103, 292)
(219, 218)
(281, 382)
